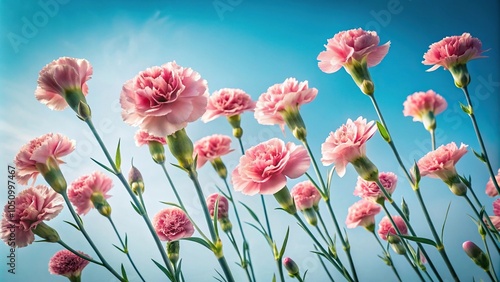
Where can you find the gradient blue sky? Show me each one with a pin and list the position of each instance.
(249, 45)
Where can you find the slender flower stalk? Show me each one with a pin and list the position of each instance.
(67, 247)
(387, 256)
(481, 222)
(323, 264)
(483, 238)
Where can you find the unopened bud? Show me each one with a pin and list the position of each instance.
(173, 248)
(225, 224)
(157, 151)
(285, 200)
(291, 267)
(182, 148)
(101, 204)
(46, 232)
(135, 180)
(476, 254)
(219, 167)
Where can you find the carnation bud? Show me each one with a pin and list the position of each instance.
(46, 232)
(366, 169)
(476, 254)
(182, 148)
(157, 151)
(238, 132)
(235, 122)
(135, 180)
(396, 244)
(84, 112)
(101, 204)
(310, 216)
(225, 224)
(173, 248)
(291, 267)
(456, 186)
(460, 75)
(53, 175)
(220, 167)
(75, 97)
(285, 200)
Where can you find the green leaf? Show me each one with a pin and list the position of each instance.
(466, 109)
(103, 166)
(162, 268)
(72, 224)
(118, 157)
(419, 240)
(136, 208)
(263, 232)
(221, 276)
(383, 132)
(124, 273)
(480, 156)
(466, 181)
(405, 209)
(305, 273)
(415, 171)
(224, 194)
(444, 222)
(252, 214)
(119, 249)
(199, 241)
(178, 166)
(274, 278)
(315, 185)
(216, 217)
(285, 241)
(329, 181)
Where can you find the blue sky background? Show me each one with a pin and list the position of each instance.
(249, 45)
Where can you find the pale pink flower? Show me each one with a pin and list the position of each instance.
(441, 162)
(172, 224)
(211, 147)
(495, 219)
(67, 264)
(81, 190)
(305, 195)
(287, 96)
(143, 138)
(385, 226)
(419, 104)
(369, 190)
(227, 102)
(60, 76)
(362, 213)
(264, 168)
(162, 100)
(490, 187)
(452, 51)
(223, 205)
(31, 207)
(347, 143)
(39, 150)
(496, 207)
(352, 45)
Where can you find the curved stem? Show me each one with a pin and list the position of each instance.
(125, 248)
(136, 202)
(480, 139)
(87, 237)
(60, 242)
(323, 265)
(387, 255)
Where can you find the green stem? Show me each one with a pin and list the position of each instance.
(433, 139)
(486, 216)
(330, 241)
(489, 255)
(480, 139)
(60, 242)
(387, 255)
(86, 235)
(134, 199)
(241, 146)
(193, 175)
(280, 269)
(493, 278)
(482, 222)
(316, 168)
(172, 186)
(243, 263)
(125, 248)
(299, 278)
(415, 267)
(323, 265)
(245, 242)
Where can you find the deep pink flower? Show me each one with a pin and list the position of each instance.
(67, 264)
(362, 213)
(223, 206)
(490, 187)
(172, 224)
(162, 100)
(143, 138)
(287, 96)
(369, 190)
(211, 147)
(305, 195)
(32, 206)
(264, 168)
(39, 150)
(496, 207)
(60, 76)
(452, 51)
(352, 45)
(227, 102)
(81, 190)
(419, 104)
(385, 226)
(347, 143)
(441, 162)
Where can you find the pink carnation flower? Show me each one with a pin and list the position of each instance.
(287, 96)
(81, 190)
(452, 51)
(496, 207)
(347, 143)
(305, 195)
(362, 213)
(32, 206)
(369, 190)
(495, 219)
(352, 45)
(227, 102)
(39, 150)
(264, 168)
(211, 147)
(490, 187)
(162, 100)
(172, 224)
(385, 226)
(143, 138)
(59, 76)
(441, 162)
(222, 211)
(67, 264)
(419, 104)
